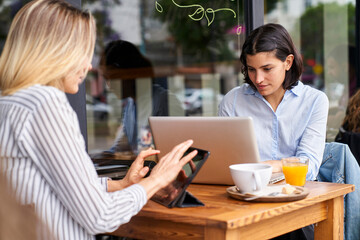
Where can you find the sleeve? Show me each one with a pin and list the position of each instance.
(312, 143)
(103, 181)
(57, 147)
(226, 106)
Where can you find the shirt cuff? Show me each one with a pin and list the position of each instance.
(103, 182)
(139, 195)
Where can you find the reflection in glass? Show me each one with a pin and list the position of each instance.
(170, 192)
(122, 61)
(192, 50)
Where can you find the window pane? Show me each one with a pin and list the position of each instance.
(324, 32)
(161, 58)
(8, 9)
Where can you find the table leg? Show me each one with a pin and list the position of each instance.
(333, 227)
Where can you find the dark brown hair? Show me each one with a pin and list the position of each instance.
(272, 38)
(123, 60)
(352, 118)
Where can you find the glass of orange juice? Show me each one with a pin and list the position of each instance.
(295, 170)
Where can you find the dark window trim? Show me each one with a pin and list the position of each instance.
(357, 39)
(78, 101)
(253, 14)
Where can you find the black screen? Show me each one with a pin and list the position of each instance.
(169, 195)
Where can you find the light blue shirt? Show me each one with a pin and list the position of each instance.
(297, 128)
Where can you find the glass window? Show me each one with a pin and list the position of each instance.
(324, 32)
(161, 58)
(8, 9)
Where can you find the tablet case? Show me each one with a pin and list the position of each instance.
(187, 200)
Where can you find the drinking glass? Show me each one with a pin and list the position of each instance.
(295, 170)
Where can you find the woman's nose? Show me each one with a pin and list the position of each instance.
(259, 77)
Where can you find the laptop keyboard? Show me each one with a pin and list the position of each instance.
(276, 177)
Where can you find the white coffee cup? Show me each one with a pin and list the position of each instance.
(250, 177)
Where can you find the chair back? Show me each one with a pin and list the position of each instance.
(340, 166)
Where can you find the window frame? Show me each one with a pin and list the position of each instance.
(78, 100)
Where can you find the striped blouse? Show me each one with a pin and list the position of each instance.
(44, 158)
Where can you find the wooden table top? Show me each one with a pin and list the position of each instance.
(226, 212)
(223, 217)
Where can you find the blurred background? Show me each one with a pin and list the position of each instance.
(180, 57)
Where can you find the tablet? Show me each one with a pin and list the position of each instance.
(175, 193)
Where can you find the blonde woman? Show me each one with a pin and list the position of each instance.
(47, 54)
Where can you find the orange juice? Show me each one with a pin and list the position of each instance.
(295, 173)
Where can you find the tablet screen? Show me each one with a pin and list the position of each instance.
(169, 195)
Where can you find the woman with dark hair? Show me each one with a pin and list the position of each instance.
(289, 117)
(349, 132)
(273, 38)
(43, 157)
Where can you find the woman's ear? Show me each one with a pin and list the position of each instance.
(289, 61)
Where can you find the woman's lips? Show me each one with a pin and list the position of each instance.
(261, 86)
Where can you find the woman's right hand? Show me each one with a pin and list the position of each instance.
(276, 165)
(167, 168)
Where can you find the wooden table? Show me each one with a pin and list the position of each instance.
(225, 218)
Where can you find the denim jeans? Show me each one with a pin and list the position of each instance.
(340, 166)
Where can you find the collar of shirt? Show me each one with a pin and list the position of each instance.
(297, 91)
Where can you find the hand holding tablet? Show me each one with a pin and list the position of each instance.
(175, 193)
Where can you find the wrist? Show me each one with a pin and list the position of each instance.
(115, 185)
(151, 185)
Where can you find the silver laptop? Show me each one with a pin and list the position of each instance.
(230, 140)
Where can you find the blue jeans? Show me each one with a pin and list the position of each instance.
(340, 166)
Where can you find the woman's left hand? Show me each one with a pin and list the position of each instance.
(137, 170)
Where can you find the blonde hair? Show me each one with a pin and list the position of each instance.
(48, 40)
